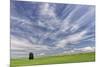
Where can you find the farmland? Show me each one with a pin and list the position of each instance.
(74, 58)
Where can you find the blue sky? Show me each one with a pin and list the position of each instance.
(51, 28)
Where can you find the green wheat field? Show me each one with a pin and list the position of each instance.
(74, 58)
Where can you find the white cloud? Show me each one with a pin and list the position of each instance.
(71, 13)
(21, 20)
(48, 16)
(23, 44)
(41, 54)
(74, 27)
(87, 49)
(46, 9)
(41, 24)
(18, 19)
(80, 50)
(71, 39)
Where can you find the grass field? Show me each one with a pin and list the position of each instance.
(82, 57)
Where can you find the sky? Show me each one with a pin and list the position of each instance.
(51, 28)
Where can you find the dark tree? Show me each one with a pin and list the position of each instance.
(31, 56)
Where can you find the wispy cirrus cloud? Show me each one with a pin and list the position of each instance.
(51, 28)
(23, 44)
(72, 39)
(79, 50)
